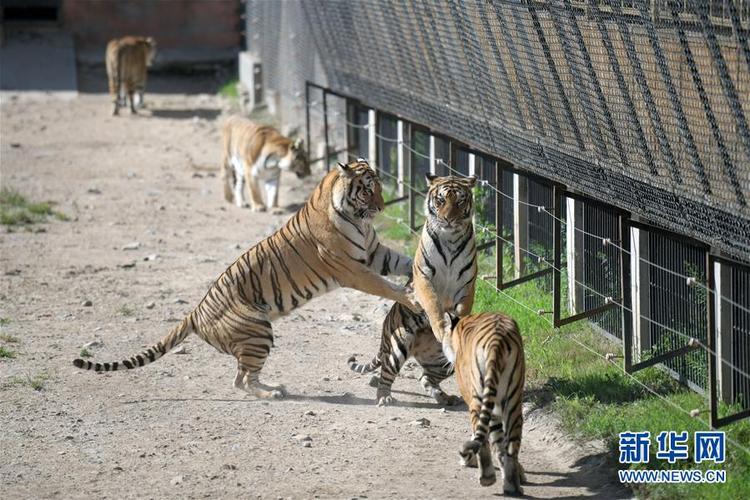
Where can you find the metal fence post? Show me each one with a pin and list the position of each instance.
(724, 327)
(308, 146)
(625, 297)
(557, 244)
(711, 341)
(520, 222)
(372, 143)
(402, 154)
(499, 226)
(325, 127)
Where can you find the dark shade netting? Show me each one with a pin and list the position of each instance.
(639, 103)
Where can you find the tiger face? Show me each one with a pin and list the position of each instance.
(150, 46)
(296, 160)
(360, 189)
(449, 199)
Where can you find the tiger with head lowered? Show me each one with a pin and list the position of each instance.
(445, 269)
(127, 60)
(255, 155)
(329, 243)
(487, 353)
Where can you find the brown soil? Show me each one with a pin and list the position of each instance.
(178, 428)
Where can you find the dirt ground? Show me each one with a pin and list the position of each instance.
(178, 428)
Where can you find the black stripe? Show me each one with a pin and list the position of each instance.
(436, 242)
(462, 246)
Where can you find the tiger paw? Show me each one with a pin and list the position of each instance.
(448, 399)
(469, 453)
(488, 480)
(258, 208)
(277, 211)
(385, 400)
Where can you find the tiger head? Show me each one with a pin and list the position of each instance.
(149, 45)
(296, 160)
(357, 191)
(449, 200)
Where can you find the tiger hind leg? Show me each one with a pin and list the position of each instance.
(131, 96)
(391, 364)
(428, 352)
(478, 449)
(507, 449)
(251, 348)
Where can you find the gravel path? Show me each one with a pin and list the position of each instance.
(149, 233)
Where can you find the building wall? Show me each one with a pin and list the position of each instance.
(185, 30)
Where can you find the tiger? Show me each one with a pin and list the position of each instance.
(406, 334)
(329, 243)
(127, 60)
(444, 271)
(256, 154)
(487, 353)
(445, 263)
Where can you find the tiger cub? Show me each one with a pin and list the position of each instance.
(445, 264)
(127, 60)
(444, 273)
(487, 352)
(256, 154)
(407, 334)
(329, 243)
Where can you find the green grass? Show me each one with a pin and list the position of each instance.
(229, 89)
(85, 353)
(16, 210)
(36, 382)
(125, 310)
(4, 321)
(593, 397)
(10, 339)
(7, 353)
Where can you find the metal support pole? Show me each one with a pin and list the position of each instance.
(625, 288)
(557, 244)
(308, 146)
(499, 226)
(711, 340)
(412, 181)
(326, 155)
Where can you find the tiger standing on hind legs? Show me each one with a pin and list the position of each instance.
(444, 270)
(127, 60)
(329, 243)
(487, 352)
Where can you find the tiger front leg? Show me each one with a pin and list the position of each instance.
(433, 309)
(271, 187)
(256, 196)
(364, 280)
(131, 97)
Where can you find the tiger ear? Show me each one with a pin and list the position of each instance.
(297, 144)
(345, 169)
(430, 177)
(453, 320)
(470, 181)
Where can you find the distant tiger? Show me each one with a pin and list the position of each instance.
(255, 155)
(127, 60)
(329, 243)
(444, 274)
(408, 334)
(487, 352)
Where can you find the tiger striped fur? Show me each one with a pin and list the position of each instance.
(445, 264)
(255, 155)
(444, 274)
(329, 242)
(407, 334)
(127, 60)
(487, 352)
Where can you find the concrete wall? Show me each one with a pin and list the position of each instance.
(185, 30)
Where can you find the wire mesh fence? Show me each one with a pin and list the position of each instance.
(577, 116)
